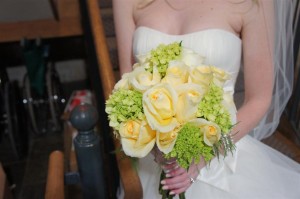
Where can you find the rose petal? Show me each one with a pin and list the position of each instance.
(201, 75)
(166, 141)
(142, 80)
(137, 138)
(189, 97)
(191, 58)
(176, 73)
(123, 83)
(159, 104)
(211, 131)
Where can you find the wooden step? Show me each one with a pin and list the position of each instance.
(108, 21)
(281, 143)
(109, 29)
(113, 52)
(105, 4)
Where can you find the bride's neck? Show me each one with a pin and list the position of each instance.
(178, 4)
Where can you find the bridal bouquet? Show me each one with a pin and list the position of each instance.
(174, 102)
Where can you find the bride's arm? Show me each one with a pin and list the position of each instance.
(257, 37)
(124, 28)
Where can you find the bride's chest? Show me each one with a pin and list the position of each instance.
(189, 16)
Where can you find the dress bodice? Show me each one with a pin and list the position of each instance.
(219, 47)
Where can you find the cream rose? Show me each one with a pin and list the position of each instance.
(142, 80)
(191, 58)
(211, 134)
(211, 131)
(219, 76)
(189, 96)
(123, 83)
(166, 141)
(201, 75)
(137, 138)
(159, 103)
(143, 58)
(177, 73)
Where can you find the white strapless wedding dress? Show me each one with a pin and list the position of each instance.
(256, 170)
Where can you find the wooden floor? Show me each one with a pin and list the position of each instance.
(285, 139)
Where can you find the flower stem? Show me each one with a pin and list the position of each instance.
(182, 196)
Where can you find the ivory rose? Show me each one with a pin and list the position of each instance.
(211, 134)
(143, 58)
(189, 96)
(141, 79)
(159, 104)
(137, 138)
(191, 58)
(123, 83)
(211, 131)
(201, 75)
(166, 141)
(219, 76)
(177, 73)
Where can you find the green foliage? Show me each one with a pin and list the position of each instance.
(124, 105)
(162, 55)
(212, 109)
(190, 147)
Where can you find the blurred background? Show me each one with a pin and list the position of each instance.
(49, 61)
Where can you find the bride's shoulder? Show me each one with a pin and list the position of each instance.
(252, 10)
(259, 9)
(126, 7)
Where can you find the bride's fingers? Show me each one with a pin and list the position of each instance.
(179, 180)
(177, 186)
(175, 183)
(169, 167)
(179, 191)
(173, 171)
(176, 171)
(176, 177)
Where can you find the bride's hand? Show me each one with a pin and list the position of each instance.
(179, 179)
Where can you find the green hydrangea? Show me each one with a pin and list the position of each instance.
(124, 105)
(190, 146)
(211, 108)
(162, 55)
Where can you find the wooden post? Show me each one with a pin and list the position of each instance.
(4, 189)
(93, 29)
(88, 152)
(55, 178)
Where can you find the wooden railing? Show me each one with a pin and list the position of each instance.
(128, 175)
(5, 192)
(55, 178)
(68, 25)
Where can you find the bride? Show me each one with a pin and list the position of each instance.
(238, 36)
